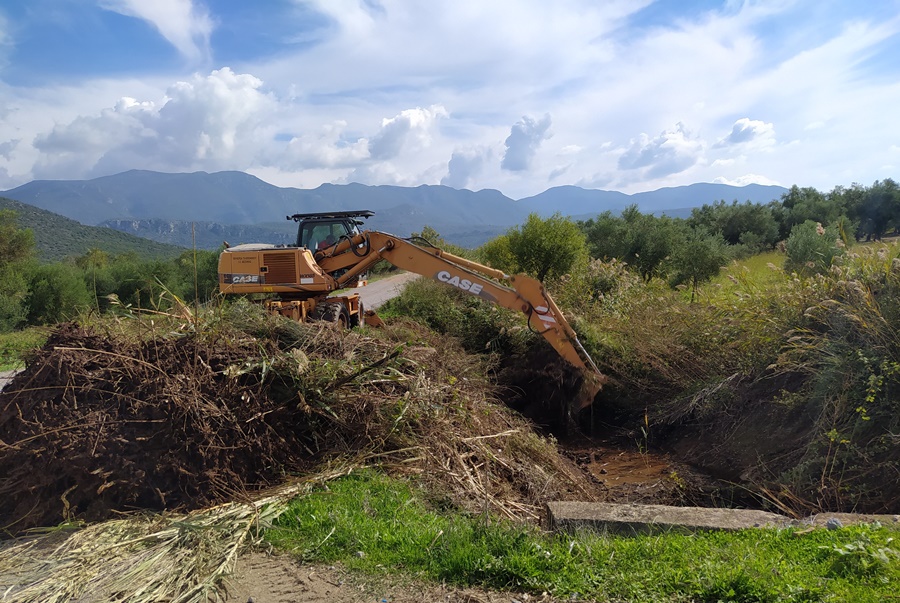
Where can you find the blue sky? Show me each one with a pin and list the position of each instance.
(626, 95)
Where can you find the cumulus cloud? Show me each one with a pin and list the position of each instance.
(213, 122)
(69, 150)
(524, 139)
(186, 25)
(227, 121)
(748, 131)
(671, 152)
(328, 147)
(746, 179)
(410, 126)
(378, 173)
(464, 167)
(7, 147)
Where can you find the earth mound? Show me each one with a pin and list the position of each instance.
(102, 422)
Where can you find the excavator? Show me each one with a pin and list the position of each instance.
(332, 253)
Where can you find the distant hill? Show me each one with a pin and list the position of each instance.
(205, 235)
(57, 237)
(238, 207)
(239, 198)
(575, 201)
(210, 235)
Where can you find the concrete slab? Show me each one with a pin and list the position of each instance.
(653, 519)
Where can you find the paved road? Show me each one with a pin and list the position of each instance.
(376, 293)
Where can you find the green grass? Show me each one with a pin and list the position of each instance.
(14, 346)
(381, 526)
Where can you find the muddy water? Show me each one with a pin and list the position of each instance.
(616, 467)
(626, 472)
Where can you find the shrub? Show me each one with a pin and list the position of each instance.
(55, 292)
(812, 249)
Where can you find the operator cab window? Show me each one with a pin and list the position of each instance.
(316, 236)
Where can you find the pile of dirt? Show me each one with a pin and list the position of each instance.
(101, 422)
(96, 424)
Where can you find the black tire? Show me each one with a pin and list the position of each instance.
(333, 312)
(318, 313)
(360, 319)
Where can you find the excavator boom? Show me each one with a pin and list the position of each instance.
(303, 279)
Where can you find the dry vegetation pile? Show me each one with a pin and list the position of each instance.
(107, 419)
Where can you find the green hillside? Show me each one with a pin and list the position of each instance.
(57, 238)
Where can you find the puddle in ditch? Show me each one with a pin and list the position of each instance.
(624, 473)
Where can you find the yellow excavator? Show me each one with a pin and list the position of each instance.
(332, 253)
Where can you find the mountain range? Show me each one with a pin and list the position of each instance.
(205, 209)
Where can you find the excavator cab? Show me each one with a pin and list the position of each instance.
(319, 231)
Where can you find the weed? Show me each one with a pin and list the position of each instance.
(863, 558)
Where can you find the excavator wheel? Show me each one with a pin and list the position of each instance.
(333, 312)
(360, 319)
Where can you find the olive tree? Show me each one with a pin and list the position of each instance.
(696, 258)
(542, 247)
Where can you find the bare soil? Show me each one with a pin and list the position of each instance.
(266, 578)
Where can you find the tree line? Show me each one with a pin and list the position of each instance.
(813, 227)
(35, 293)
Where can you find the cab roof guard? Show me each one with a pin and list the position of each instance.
(364, 213)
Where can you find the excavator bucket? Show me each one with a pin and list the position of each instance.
(591, 385)
(373, 320)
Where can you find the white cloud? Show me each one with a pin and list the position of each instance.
(72, 150)
(465, 166)
(213, 122)
(747, 179)
(227, 121)
(7, 147)
(671, 152)
(185, 24)
(747, 132)
(327, 147)
(411, 126)
(525, 136)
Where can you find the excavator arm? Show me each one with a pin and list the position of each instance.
(303, 279)
(519, 292)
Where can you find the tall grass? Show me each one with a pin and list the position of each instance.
(759, 346)
(826, 345)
